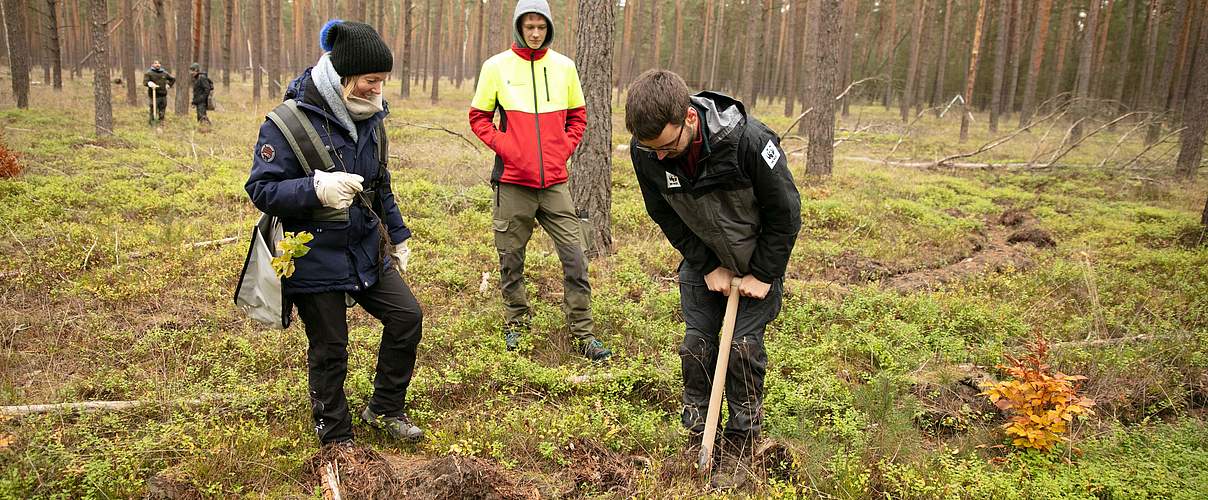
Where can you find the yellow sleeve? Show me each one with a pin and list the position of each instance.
(485, 95)
(574, 95)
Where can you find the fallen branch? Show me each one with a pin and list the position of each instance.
(95, 406)
(996, 142)
(1120, 142)
(838, 97)
(443, 129)
(795, 122)
(1084, 137)
(331, 481)
(1151, 146)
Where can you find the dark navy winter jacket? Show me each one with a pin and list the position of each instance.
(343, 255)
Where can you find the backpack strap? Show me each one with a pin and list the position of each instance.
(312, 154)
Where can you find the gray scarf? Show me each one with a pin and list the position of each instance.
(328, 82)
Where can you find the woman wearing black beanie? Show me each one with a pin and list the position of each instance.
(359, 250)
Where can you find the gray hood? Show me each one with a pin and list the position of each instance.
(532, 6)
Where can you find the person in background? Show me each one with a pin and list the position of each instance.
(157, 80)
(203, 87)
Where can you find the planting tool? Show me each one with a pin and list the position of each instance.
(705, 463)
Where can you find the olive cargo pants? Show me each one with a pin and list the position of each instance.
(516, 210)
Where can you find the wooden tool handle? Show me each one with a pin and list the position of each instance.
(705, 462)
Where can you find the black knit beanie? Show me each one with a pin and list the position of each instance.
(356, 48)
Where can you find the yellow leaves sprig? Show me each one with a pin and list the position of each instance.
(1041, 404)
(293, 245)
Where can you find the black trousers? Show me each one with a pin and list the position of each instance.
(703, 311)
(325, 318)
(201, 113)
(155, 111)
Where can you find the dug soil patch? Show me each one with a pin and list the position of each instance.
(998, 248)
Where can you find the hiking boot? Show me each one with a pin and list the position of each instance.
(399, 427)
(512, 332)
(733, 465)
(595, 350)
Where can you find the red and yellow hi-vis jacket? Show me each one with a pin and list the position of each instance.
(542, 115)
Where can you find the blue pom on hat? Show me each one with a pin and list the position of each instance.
(325, 43)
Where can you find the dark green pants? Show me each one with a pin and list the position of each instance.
(517, 208)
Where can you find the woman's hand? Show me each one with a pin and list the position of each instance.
(401, 254)
(337, 189)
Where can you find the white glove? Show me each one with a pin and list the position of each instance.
(401, 254)
(337, 189)
(152, 85)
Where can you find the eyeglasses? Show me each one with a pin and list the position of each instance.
(669, 147)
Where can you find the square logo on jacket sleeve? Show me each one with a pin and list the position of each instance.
(771, 154)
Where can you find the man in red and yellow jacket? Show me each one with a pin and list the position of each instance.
(542, 115)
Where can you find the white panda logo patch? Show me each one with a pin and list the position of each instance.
(770, 154)
(672, 180)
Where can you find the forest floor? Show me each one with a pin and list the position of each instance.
(908, 285)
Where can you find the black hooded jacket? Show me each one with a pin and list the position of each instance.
(742, 210)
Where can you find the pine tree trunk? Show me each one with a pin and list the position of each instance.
(1195, 115)
(702, 77)
(889, 51)
(1039, 34)
(755, 35)
(462, 40)
(912, 69)
(676, 55)
(207, 34)
(272, 59)
(299, 45)
(195, 55)
(1097, 68)
(1057, 78)
(820, 160)
(795, 19)
(227, 41)
(718, 26)
(408, 54)
(184, 28)
(1086, 59)
(102, 94)
(1182, 68)
(426, 66)
(591, 178)
(56, 44)
(971, 76)
(845, 54)
(656, 35)
(258, 53)
(1018, 25)
(1153, 23)
(18, 50)
(923, 81)
(478, 35)
(128, 63)
(942, 62)
(1123, 64)
(1000, 61)
(433, 55)
(809, 57)
(1160, 93)
(624, 63)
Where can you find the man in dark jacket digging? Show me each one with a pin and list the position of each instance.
(202, 88)
(718, 185)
